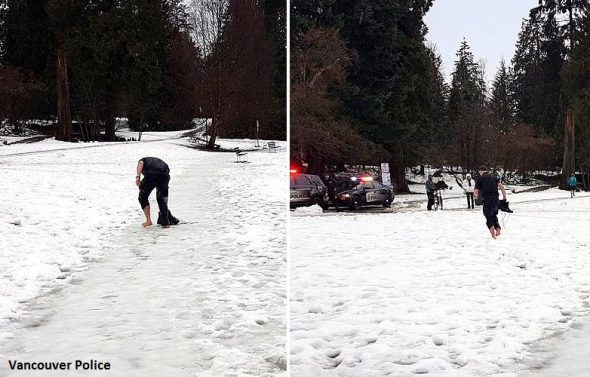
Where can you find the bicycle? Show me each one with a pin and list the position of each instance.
(438, 200)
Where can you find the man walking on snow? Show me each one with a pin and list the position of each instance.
(156, 174)
(572, 184)
(487, 186)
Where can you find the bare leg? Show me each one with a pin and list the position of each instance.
(493, 232)
(148, 219)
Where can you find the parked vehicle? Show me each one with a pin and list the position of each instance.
(360, 192)
(307, 190)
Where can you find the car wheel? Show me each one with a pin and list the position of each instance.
(387, 202)
(356, 202)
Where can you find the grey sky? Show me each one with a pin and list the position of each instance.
(490, 27)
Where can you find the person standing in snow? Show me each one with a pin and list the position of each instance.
(487, 186)
(572, 184)
(156, 174)
(468, 187)
(430, 188)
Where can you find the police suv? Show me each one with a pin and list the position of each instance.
(307, 190)
(363, 191)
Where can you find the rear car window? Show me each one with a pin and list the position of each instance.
(300, 180)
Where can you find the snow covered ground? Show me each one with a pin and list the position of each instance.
(81, 279)
(409, 292)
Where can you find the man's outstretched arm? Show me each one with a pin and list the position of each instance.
(139, 170)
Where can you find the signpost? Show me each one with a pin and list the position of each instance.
(385, 176)
(257, 127)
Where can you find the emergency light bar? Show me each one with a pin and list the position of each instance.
(364, 179)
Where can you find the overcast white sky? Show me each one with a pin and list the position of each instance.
(490, 27)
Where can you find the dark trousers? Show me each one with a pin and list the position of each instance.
(430, 200)
(160, 183)
(572, 189)
(490, 211)
(470, 201)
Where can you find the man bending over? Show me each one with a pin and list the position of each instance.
(156, 174)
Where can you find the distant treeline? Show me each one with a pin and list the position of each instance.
(367, 87)
(160, 63)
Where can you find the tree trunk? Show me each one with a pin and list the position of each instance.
(109, 126)
(213, 132)
(398, 170)
(584, 182)
(63, 131)
(569, 152)
(140, 127)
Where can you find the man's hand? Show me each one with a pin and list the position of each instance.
(138, 181)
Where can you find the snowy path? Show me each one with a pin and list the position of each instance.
(565, 355)
(205, 298)
(400, 294)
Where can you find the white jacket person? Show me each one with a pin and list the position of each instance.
(468, 183)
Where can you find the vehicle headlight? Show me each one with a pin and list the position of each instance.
(344, 196)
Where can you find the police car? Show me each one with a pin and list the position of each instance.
(360, 192)
(307, 190)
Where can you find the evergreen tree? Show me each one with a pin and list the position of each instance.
(386, 84)
(538, 62)
(466, 108)
(501, 101)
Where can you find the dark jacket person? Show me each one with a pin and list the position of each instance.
(430, 188)
(487, 186)
(156, 174)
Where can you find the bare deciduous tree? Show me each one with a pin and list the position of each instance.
(207, 19)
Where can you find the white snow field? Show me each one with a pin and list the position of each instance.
(80, 278)
(410, 292)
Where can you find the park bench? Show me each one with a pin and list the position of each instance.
(241, 156)
(272, 146)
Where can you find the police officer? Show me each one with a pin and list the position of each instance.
(487, 186)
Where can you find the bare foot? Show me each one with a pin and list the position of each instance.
(493, 232)
(147, 223)
(498, 231)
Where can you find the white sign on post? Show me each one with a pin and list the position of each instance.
(385, 176)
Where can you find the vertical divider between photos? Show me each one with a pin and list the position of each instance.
(287, 162)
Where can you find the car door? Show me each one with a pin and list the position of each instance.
(371, 195)
(381, 190)
(300, 189)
